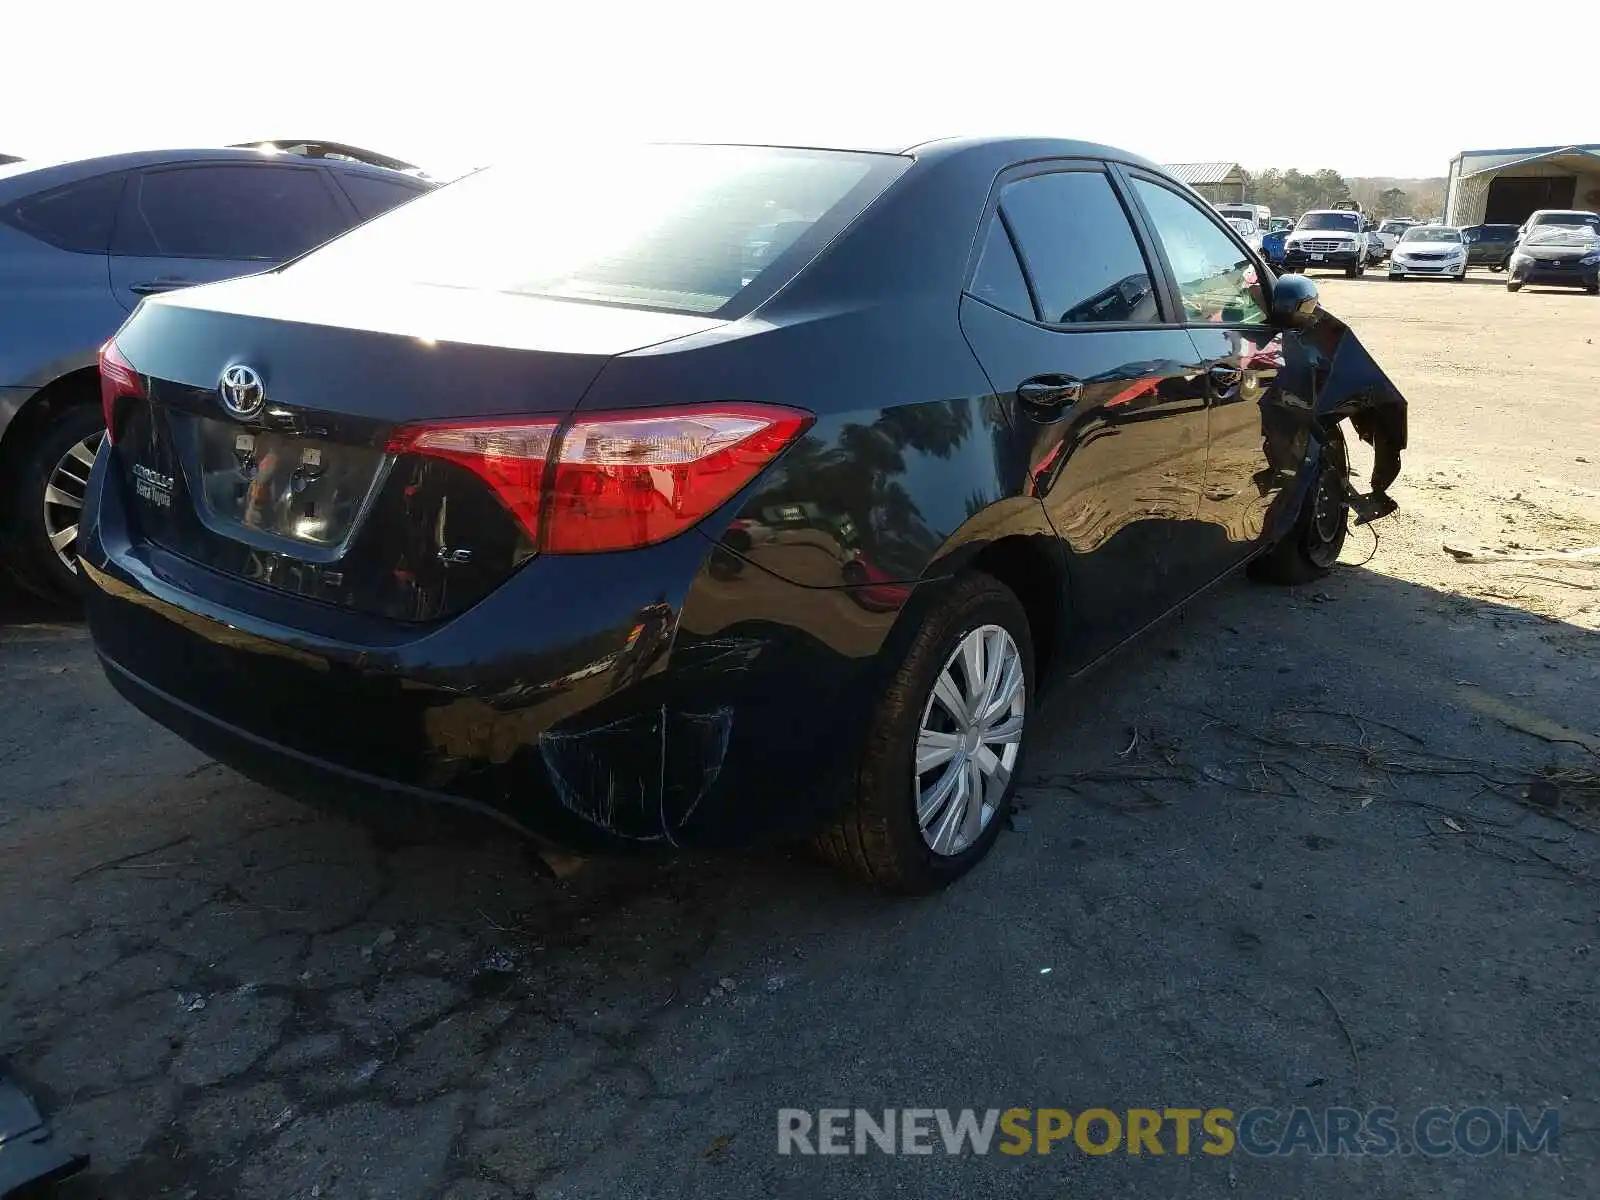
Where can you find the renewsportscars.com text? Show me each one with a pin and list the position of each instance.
(1260, 1132)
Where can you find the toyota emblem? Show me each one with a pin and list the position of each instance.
(243, 393)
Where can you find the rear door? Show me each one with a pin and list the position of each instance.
(1256, 432)
(55, 305)
(1066, 315)
(195, 223)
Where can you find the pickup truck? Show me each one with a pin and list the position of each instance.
(1328, 239)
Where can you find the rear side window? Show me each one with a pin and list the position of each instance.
(373, 195)
(684, 228)
(75, 216)
(1079, 249)
(234, 211)
(998, 279)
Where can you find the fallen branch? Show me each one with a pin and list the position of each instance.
(128, 858)
(1588, 557)
(1355, 1055)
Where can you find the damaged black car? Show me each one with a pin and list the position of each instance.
(722, 495)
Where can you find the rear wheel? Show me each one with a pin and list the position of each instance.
(1310, 549)
(942, 758)
(44, 501)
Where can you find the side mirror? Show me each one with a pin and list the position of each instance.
(1294, 301)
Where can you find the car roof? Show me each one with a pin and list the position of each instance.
(21, 179)
(1011, 147)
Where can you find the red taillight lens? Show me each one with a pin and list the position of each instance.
(117, 379)
(629, 480)
(508, 456)
(621, 480)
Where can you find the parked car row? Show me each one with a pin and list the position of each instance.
(82, 243)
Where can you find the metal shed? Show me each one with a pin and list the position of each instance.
(1218, 182)
(1504, 186)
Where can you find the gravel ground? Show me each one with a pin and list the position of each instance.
(1278, 854)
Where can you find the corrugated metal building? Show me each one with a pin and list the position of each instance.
(1218, 182)
(1504, 186)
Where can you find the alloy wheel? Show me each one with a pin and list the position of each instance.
(969, 739)
(64, 495)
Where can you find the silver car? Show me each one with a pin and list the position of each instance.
(80, 244)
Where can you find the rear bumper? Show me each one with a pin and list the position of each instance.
(597, 701)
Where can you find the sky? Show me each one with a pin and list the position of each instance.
(453, 84)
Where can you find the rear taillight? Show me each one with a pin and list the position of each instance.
(118, 379)
(616, 481)
(509, 457)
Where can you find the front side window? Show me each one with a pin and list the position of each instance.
(1217, 282)
(1080, 250)
(231, 211)
(684, 228)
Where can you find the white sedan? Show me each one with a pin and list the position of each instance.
(1437, 250)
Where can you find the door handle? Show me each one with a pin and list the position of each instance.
(1225, 380)
(153, 287)
(1049, 393)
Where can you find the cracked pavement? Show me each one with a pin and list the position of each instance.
(217, 992)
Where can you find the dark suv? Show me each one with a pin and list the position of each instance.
(1489, 245)
(80, 244)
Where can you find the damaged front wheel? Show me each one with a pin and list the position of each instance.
(1310, 549)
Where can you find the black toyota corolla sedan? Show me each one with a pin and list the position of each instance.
(711, 495)
(1557, 256)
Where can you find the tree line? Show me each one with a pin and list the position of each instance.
(1293, 192)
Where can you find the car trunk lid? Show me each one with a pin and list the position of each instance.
(262, 446)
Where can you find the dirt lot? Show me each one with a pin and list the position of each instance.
(1280, 854)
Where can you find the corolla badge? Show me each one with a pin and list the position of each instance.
(243, 393)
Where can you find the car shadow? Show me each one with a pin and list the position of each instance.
(193, 940)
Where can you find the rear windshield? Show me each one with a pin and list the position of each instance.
(1330, 220)
(680, 228)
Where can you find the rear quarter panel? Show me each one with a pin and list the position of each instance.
(908, 443)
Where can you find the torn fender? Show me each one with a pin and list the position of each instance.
(1328, 362)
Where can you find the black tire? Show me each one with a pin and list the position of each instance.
(1513, 286)
(1310, 549)
(877, 837)
(1593, 289)
(31, 559)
